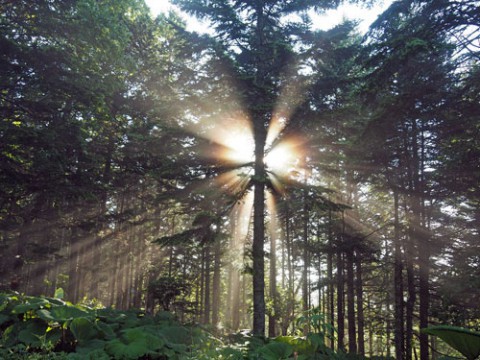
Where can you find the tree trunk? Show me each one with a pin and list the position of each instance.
(398, 284)
(73, 248)
(113, 286)
(291, 276)
(273, 286)
(201, 305)
(305, 304)
(422, 236)
(331, 294)
(352, 332)
(259, 234)
(236, 292)
(259, 178)
(410, 301)
(340, 303)
(360, 315)
(206, 314)
(216, 284)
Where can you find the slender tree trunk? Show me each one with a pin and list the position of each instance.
(410, 300)
(113, 287)
(207, 309)
(97, 245)
(370, 328)
(129, 273)
(118, 256)
(216, 284)
(228, 303)
(422, 236)
(398, 285)
(360, 314)
(260, 134)
(236, 292)
(96, 257)
(340, 303)
(81, 271)
(331, 294)
(352, 331)
(72, 265)
(125, 274)
(258, 238)
(198, 296)
(141, 257)
(424, 296)
(306, 265)
(284, 264)
(273, 286)
(305, 292)
(202, 285)
(291, 275)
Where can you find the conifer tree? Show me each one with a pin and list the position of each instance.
(258, 38)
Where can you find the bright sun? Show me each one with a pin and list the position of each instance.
(279, 160)
(282, 158)
(233, 136)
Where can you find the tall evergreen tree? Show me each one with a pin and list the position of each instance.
(258, 37)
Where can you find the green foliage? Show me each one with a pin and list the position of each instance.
(312, 346)
(47, 326)
(463, 340)
(276, 351)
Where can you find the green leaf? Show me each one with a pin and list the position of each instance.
(9, 336)
(95, 354)
(83, 329)
(3, 318)
(276, 351)
(5, 300)
(231, 354)
(317, 340)
(55, 301)
(90, 346)
(140, 335)
(59, 293)
(106, 330)
(30, 304)
(463, 340)
(62, 313)
(299, 345)
(32, 333)
(134, 343)
(54, 335)
(132, 350)
(176, 334)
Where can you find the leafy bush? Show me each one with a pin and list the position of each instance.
(51, 328)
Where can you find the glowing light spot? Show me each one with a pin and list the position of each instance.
(282, 158)
(240, 147)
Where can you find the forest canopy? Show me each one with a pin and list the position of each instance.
(261, 176)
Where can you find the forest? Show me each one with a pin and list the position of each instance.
(265, 190)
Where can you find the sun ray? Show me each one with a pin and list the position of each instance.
(244, 215)
(272, 210)
(292, 94)
(234, 181)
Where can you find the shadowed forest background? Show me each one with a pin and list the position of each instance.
(267, 169)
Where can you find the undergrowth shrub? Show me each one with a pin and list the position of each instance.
(34, 327)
